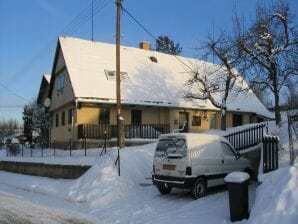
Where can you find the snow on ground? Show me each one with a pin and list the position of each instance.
(131, 198)
(277, 198)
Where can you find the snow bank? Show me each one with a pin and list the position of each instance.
(276, 200)
(101, 185)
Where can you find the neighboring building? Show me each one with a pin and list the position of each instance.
(83, 94)
(44, 88)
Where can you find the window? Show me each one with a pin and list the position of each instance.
(104, 116)
(60, 82)
(196, 121)
(237, 120)
(70, 116)
(57, 120)
(227, 150)
(136, 117)
(170, 146)
(63, 118)
(153, 59)
(111, 75)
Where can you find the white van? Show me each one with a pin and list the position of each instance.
(194, 161)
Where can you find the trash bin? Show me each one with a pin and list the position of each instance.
(238, 195)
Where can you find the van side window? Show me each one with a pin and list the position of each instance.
(227, 150)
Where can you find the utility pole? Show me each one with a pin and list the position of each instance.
(92, 21)
(118, 80)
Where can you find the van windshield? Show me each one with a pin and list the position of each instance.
(170, 147)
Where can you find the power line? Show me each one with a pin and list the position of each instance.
(86, 18)
(72, 27)
(13, 92)
(151, 35)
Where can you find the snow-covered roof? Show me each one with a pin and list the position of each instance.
(47, 77)
(144, 82)
(43, 89)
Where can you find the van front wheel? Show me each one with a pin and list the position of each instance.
(164, 189)
(199, 189)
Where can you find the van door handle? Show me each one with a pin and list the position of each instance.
(222, 161)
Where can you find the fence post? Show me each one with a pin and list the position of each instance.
(22, 150)
(30, 150)
(104, 148)
(54, 147)
(270, 153)
(70, 147)
(41, 150)
(105, 143)
(85, 143)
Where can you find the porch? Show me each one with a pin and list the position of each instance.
(105, 131)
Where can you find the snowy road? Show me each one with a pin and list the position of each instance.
(17, 210)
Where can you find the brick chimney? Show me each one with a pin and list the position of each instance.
(145, 45)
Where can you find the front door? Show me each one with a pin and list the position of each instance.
(212, 121)
(183, 121)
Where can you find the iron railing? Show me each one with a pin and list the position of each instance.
(247, 137)
(102, 131)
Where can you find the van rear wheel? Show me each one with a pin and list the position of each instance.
(199, 189)
(164, 189)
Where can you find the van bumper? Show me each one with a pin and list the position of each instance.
(176, 182)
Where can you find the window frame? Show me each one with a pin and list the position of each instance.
(60, 82)
(230, 149)
(104, 116)
(136, 117)
(63, 118)
(69, 115)
(57, 120)
(196, 121)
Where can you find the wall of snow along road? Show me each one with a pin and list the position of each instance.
(100, 186)
(276, 200)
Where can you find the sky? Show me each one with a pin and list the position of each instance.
(30, 28)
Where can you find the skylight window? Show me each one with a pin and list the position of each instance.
(153, 59)
(111, 75)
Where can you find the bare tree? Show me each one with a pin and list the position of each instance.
(217, 82)
(271, 46)
(8, 127)
(292, 94)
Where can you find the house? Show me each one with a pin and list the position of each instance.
(83, 94)
(44, 88)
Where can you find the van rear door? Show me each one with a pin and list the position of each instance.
(171, 157)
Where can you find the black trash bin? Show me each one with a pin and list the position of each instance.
(237, 183)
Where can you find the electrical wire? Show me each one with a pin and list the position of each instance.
(150, 34)
(71, 28)
(13, 92)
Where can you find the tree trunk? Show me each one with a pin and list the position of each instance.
(223, 119)
(276, 94)
(277, 108)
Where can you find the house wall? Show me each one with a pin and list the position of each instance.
(60, 62)
(247, 118)
(205, 119)
(60, 98)
(90, 115)
(62, 133)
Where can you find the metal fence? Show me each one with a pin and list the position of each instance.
(270, 153)
(145, 131)
(247, 137)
